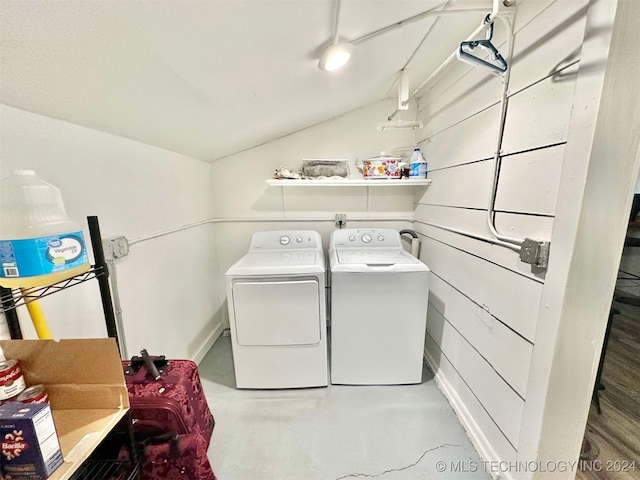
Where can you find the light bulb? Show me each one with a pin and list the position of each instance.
(335, 56)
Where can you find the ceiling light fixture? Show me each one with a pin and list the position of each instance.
(335, 56)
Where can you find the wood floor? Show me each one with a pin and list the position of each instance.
(616, 432)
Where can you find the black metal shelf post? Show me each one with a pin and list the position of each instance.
(103, 280)
(10, 314)
(112, 331)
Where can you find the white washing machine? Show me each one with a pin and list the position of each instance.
(379, 296)
(276, 298)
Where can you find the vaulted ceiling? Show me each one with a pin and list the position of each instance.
(211, 78)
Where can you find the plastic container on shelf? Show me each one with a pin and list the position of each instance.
(39, 244)
(381, 166)
(418, 165)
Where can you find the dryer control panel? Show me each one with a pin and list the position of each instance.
(366, 238)
(285, 240)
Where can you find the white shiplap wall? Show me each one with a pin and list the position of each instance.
(484, 302)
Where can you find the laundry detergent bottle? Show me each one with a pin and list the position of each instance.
(39, 244)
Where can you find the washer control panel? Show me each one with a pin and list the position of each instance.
(366, 238)
(286, 240)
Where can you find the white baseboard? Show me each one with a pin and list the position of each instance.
(473, 431)
(208, 343)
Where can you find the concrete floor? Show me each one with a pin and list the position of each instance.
(338, 432)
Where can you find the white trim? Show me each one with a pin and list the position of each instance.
(474, 432)
(208, 343)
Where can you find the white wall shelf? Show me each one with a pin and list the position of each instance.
(349, 182)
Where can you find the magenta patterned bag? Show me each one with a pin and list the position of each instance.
(172, 457)
(174, 403)
(183, 459)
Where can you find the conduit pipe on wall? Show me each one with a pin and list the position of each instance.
(497, 12)
(504, 101)
(117, 307)
(285, 220)
(264, 220)
(111, 263)
(494, 241)
(415, 18)
(531, 251)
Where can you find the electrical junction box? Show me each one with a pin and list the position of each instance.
(535, 252)
(115, 247)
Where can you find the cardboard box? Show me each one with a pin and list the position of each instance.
(86, 388)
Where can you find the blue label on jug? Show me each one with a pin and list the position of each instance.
(32, 257)
(418, 170)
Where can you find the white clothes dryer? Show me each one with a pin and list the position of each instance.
(276, 299)
(379, 297)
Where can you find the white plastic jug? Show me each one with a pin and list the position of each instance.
(418, 165)
(39, 244)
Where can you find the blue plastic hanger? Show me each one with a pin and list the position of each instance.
(465, 54)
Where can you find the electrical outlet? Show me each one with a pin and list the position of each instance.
(341, 220)
(119, 246)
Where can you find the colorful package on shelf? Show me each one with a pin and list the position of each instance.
(381, 168)
(29, 444)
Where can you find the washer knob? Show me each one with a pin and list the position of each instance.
(284, 240)
(366, 238)
(298, 239)
(380, 238)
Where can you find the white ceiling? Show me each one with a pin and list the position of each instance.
(210, 78)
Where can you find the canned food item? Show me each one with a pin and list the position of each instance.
(34, 394)
(11, 379)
